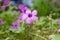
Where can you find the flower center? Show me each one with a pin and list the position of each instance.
(15, 25)
(24, 11)
(29, 15)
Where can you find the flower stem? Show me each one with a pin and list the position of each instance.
(22, 24)
(39, 36)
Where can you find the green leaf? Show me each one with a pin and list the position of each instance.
(2, 32)
(7, 38)
(57, 37)
(17, 30)
(54, 21)
(41, 21)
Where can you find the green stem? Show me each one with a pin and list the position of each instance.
(22, 24)
(39, 36)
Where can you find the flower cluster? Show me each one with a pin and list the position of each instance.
(27, 15)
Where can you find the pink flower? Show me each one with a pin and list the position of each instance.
(58, 21)
(59, 30)
(30, 16)
(20, 19)
(54, 1)
(0, 0)
(3, 7)
(15, 25)
(22, 7)
(1, 21)
(6, 2)
(47, 0)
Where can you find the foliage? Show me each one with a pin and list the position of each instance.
(46, 26)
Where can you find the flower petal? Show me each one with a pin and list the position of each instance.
(3, 7)
(59, 30)
(24, 16)
(20, 6)
(24, 9)
(28, 21)
(28, 11)
(15, 25)
(58, 21)
(20, 19)
(34, 12)
(0, 0)
(1, 21)
(34, 18)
